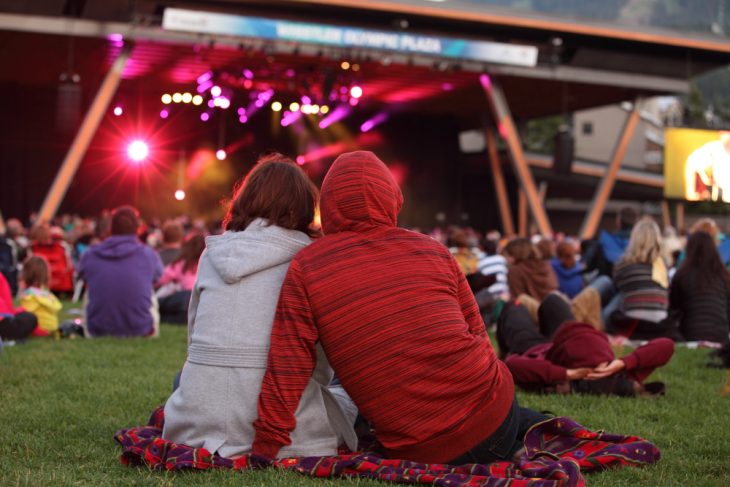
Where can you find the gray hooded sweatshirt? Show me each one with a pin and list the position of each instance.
(229, 329)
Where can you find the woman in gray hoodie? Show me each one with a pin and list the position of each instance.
(229, 323)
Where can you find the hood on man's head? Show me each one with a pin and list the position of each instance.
(117, 247)
(359, 193)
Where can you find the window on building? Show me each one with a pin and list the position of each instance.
(587, 128)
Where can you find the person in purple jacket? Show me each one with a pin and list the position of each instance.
(120, 273)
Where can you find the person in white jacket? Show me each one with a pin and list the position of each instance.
(230, 318)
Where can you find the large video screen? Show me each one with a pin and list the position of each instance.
(697, 164)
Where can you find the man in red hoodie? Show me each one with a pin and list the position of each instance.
(400, 327)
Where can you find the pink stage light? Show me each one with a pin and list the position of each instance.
(204, 116)
(301, 160)
(241, 111)
(248, 74)
(356, 92)
(164, 114)
(205, 77)
(138, 151)
(340, 112)
(325, 152)
(373, 122)
(179, 195)
(116, 39)
(243, 119)
(289, 118)
(220, 154)
(203, 87)
(118, 111)
(486, 81)
(248, 84)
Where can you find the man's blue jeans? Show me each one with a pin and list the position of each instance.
(506, 440)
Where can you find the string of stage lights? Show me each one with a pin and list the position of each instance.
(222, 89)
(329, 94)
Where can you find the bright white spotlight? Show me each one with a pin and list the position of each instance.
(216, 91)
(356, 92)
(179, 195)
(177, 97)
(294, 107)
(276, 106)
(197, 100)
(166, 98)
(220, 154)
(187, 97)
(138, 151)
(118, 111)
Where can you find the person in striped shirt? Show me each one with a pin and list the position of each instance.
(641, 277)
(492, 263)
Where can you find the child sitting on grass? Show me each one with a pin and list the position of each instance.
(37, 299)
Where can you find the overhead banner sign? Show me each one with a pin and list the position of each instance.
(346, 37)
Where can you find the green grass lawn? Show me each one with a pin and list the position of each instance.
(62, 401)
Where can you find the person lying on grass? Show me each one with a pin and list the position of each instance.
(229, 322)
(562, 355)
(400, 326)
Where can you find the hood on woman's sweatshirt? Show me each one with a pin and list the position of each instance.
(260, 246)
(359, 194)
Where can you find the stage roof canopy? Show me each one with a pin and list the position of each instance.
(585, 57)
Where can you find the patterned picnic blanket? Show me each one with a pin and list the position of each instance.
(557, 453)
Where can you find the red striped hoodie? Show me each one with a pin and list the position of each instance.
(397, 321)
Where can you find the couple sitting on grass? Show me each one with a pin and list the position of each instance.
(273, 313)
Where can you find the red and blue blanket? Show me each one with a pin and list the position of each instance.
(557, 453)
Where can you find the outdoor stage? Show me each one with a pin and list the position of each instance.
(85, 85)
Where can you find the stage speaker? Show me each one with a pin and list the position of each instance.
(563, 152)
(69, 105)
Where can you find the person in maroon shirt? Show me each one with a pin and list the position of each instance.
(400, 327)
(562, 355)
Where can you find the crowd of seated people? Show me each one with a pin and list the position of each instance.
(113, 263)
(649, 285)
